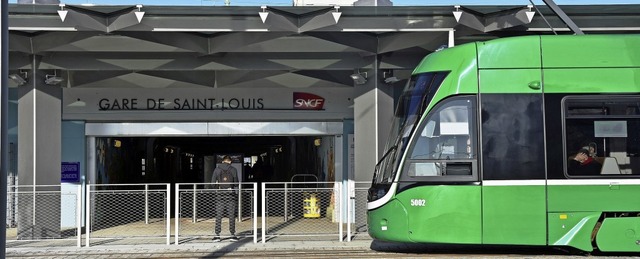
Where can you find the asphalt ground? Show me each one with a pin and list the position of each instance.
(245, 248)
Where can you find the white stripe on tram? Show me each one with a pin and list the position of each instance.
(594, 182)
(513, 182)
(608, 181)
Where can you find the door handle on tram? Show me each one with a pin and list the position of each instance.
(535, 85)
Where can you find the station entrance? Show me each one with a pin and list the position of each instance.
(165, 156)
(127, 160)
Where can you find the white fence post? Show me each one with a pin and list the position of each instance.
(33, 211)
(168, 214)
(286, 203)
(255, 212)
(350, 200)
(239, 202)
(79, 215)
(146, 204)
(88, 216)
(194, 205)
(339, 203)
(177, 214)
(264, 213)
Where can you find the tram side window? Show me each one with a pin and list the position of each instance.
(607, 130)
(446, 141)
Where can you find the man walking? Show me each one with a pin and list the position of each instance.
(225, 178)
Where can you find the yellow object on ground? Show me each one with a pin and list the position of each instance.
(311, 209)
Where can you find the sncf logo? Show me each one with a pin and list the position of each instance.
(307, 101)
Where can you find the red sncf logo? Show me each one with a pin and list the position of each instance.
(307, 101)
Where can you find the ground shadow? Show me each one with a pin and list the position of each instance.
(490, 250)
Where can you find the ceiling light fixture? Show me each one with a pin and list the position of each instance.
(264, 13)
(388, 77)
(336, 14)
(53, 79)
(530, 13)
(139, 13)
(62, 12)
(20, 78)
(457, 13)
(359, 78)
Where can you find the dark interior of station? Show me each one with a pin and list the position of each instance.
(182, 159)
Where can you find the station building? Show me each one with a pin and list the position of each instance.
(155, 94)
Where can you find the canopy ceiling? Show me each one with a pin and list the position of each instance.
(295, 47)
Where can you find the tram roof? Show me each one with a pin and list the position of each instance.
(220, 46)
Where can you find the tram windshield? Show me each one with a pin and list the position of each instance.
(412, 104)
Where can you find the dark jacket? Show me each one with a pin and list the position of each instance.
(216, 177)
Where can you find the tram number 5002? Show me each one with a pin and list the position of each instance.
(418, 202)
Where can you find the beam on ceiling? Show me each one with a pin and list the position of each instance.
(230, 42)
(186, 41)
(400, 41)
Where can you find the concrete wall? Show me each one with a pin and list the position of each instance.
(39, 149)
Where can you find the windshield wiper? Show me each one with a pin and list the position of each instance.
(385, 155)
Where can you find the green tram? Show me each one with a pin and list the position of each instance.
(484, 142)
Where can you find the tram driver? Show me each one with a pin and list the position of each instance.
(583, 164)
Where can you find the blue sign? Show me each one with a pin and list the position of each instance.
(70, 172)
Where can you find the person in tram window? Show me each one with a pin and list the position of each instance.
(592, 147)
(583, 164)
(225, 178)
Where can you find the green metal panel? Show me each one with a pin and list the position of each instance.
(460, 61)
(517, 214)
(514, 215)
(619, 235)
(592, 80)
(515, 52)
(510, 81)
(577, 51)
(389, 222)
(457, 60)
(443, 213)
(613, 197)
(572, 229)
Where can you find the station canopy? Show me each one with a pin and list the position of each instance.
(264, 46)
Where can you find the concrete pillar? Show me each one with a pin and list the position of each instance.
(373, 114)
(39, 158)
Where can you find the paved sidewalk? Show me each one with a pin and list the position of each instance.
(244, 247)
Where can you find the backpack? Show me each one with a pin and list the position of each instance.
(225, 177)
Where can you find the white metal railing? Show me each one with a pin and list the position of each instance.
(197, 205)
(121, 213)
(38, 213)
(302, 209)
(113, 210)
(357, 210)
